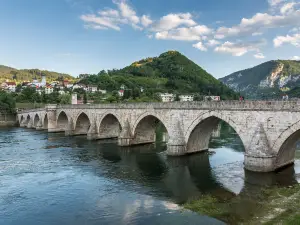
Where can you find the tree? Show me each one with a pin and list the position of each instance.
(84, 98)
(65, 99)
(18, 88)
(7, 102)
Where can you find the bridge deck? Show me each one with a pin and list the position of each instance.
(221, 105)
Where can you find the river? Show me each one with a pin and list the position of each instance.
(47, 178)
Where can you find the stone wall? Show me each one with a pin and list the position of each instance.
(7, 119)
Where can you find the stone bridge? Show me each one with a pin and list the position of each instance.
(268, 130)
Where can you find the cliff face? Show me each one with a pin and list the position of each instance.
(272, 76)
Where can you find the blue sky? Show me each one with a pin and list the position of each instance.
(86, 36)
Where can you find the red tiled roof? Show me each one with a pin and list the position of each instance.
(11, 83)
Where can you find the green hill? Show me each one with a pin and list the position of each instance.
(8, 73)
(266, 80)
(170, 72)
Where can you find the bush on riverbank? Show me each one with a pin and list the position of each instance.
(7, 102)
(276, 205)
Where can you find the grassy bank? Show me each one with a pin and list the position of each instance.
(276, 205)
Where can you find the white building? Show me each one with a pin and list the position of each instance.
(48, 90)
(166, 97)
(39, 91)
(212, 98)
(92, 88)
(102, 91)
(76, 86)
(11, 86)
(69, 85)
(121, 93)
(186, 98)
(61, 92)
(40, 84)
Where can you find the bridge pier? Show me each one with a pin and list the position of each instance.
(39, 125)
(51, 115)
(125, 138)
(258, 157)
(30, 124)
(92, 133)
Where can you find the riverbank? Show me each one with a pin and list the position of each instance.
(8, 123)
(275, 205)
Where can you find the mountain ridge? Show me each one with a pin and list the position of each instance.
(273, 76)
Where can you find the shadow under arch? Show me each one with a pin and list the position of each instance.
(144, 130)
(45, 122)
(27, 120)
(62, 122)
(287, 151)
(36, 120)
(199, 134)
(109, 127)
(82, 124)
(21, 121)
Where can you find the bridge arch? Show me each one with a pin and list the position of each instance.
(82, 124)
(198, 134)
(36, 120)
(27, 120)
(285, 145)
(61, 121)
(144, 129)
(109, 126)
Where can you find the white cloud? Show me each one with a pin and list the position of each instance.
(212, 43)
(146, 21)
(257, 34)
(180, 34)
(184, 33)
(127, 12)
(287, 8)
(259, 55)
(239, 49)
(200, 46)
(293, 40)
(109, 12)
(295, 58)
(98, 22)
(112, 18)
(295, 30)
(259, 22)
(275, 2)
(172, 21)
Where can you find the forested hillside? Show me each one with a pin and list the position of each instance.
(170, 72)
(8, 73)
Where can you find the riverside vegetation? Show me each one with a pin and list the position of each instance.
(273, 205)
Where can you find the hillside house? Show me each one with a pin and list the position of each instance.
(186, 98)
(167, 97)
